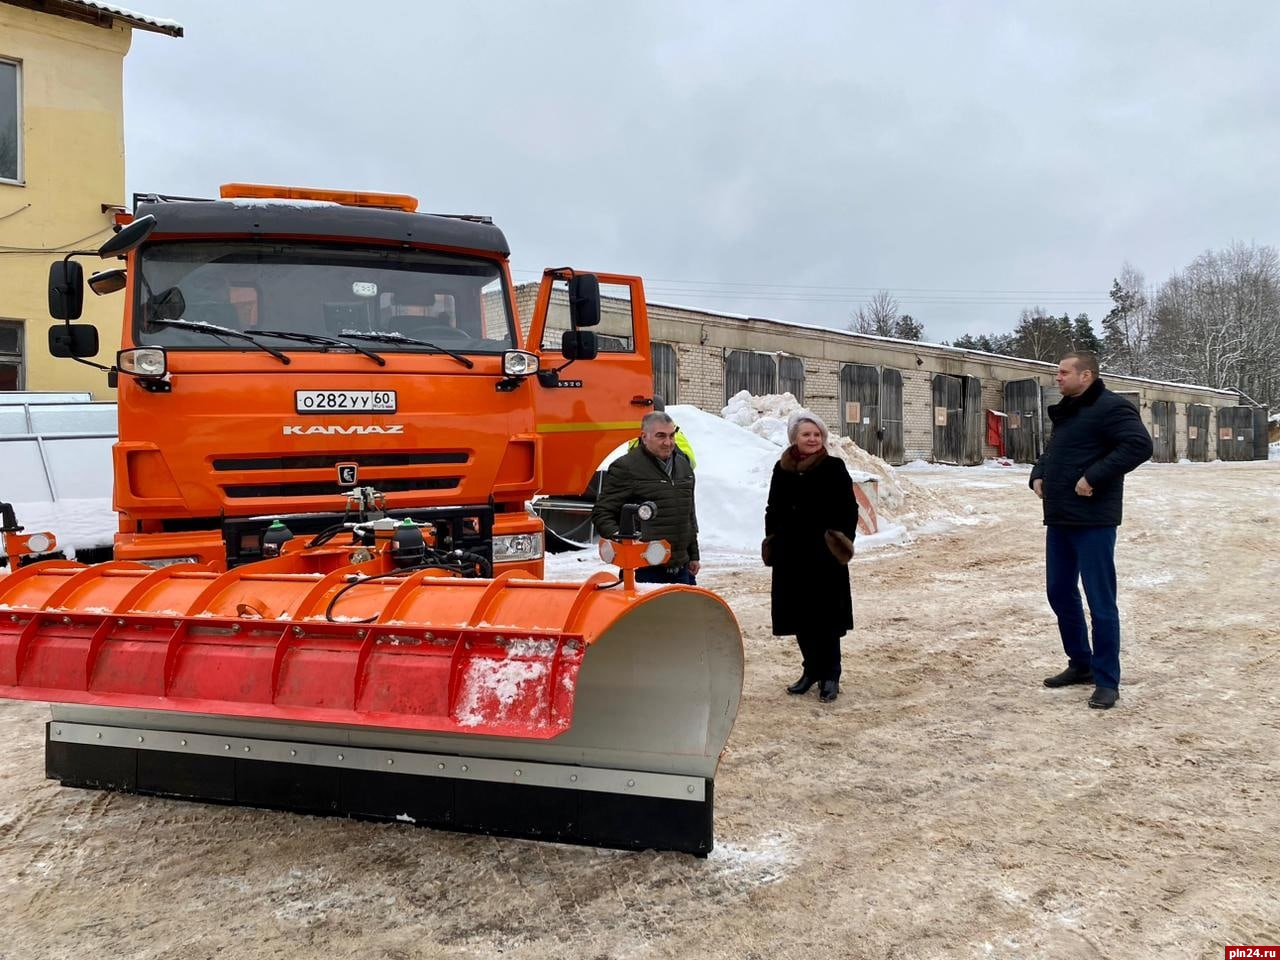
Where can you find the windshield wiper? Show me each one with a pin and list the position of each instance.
(213, 330)
(399, 338)
(317, 338)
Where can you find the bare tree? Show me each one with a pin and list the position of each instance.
(878, 316)
(1218, 322)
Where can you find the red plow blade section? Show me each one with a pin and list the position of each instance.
(580, 712)
(266, 643)
(475, 680)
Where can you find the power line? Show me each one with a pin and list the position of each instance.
(723, 285)
(659, 292)
(62, 248)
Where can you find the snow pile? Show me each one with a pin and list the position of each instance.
(733, 476)
(734, 467)
(863, 465)
(766, 416)
(735, 455)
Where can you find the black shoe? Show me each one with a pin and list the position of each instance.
(1069, 676)
(802, 685)
(828, 690)
(1104, 698)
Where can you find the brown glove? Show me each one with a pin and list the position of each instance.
(766, 551)
(841, 547)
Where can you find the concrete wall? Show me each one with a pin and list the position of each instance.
(703, 339)
(72, 119)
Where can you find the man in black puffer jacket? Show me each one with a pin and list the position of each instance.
(655, 469)
(1097, 438)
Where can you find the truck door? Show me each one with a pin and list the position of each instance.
(593, 405)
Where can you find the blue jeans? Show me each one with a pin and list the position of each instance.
(666, 575)
(1076, 555)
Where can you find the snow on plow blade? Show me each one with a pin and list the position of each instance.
(579, 712)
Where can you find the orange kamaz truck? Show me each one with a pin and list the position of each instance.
(281, 346)
(326, 592)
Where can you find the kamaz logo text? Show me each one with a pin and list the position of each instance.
(337, 430)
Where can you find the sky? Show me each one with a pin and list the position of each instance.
(775, 160)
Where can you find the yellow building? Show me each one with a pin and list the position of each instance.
(61, 171)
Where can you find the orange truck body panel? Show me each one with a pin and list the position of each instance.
(224, 440)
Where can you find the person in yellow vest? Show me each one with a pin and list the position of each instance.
(682, 442)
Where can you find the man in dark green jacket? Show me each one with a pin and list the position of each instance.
(654, 470)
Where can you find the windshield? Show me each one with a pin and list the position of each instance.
(411, 301)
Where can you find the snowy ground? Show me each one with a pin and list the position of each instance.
(947, 805)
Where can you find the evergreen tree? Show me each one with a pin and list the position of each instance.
(1039, 336)
(999, 343)
(1128, 326)
(908, 327)
(1083, 337)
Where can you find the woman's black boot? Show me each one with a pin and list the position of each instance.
(802, 685)
(828, 690)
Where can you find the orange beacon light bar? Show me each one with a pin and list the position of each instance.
(349, 198)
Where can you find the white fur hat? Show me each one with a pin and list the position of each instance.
(798, 417)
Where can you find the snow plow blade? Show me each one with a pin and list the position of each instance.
(578, 712)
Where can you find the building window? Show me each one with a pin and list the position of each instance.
(663, 356)
(11, 355)
(791, 377)
(10, 122)
(755, 373)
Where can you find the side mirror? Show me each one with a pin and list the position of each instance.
(66, 290)
(107, 281)
(584, 301)
(168, 304)
(129, 237)
(74, 340)
(579, 344)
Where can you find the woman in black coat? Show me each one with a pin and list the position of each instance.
(810, 524)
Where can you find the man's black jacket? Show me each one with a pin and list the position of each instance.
(1097, 435)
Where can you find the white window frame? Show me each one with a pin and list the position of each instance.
(17, 109)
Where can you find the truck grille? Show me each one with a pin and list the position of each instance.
(327, 460)
(329, 489)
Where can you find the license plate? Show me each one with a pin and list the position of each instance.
(346, 401)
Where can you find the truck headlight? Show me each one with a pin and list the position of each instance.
(145, 362)
(515, 547)
(519, 363)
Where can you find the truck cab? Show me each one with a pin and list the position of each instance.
(286, 353)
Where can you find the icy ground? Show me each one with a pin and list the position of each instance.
(947, 805)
